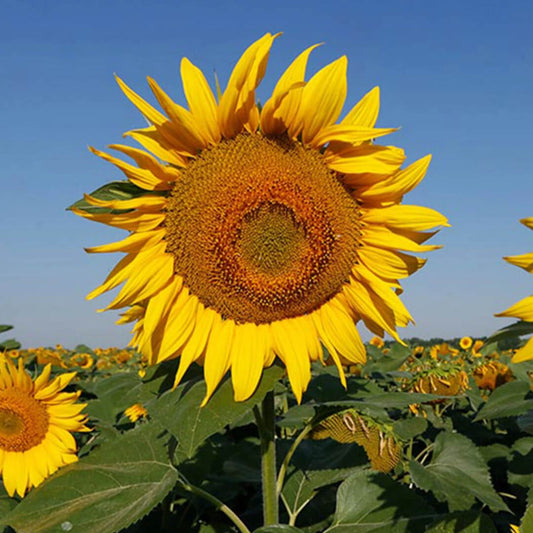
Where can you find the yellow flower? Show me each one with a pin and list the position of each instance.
(262, 234)
(83, 360)
(491, 375)
(135, 412)
(477, 346)
(465, 343)
(455, 382)
(523, 309)
(36, 421)
(377, 342)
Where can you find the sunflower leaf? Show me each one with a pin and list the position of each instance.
(191, 424)
(108, 490)
(510, 332)
(464, 522)
(114, 190)
(506, 400)
(456, 474)
(370, 501)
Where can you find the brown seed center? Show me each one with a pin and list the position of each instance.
(261, 229)
(23, 421)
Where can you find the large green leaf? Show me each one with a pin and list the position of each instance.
(4, 327)
(409, 428)
(507, 400)
(465, 522)
(520, 468)
(104, 492)
(509, 332)
(10, 344)
(370, 501)
(456, 474)
(181, 414)
(114, 190)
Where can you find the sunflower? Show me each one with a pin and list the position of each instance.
(258, 233)
(36, 421)
(466, 342)
(523, 309)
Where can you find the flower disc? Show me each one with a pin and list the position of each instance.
(261, 229)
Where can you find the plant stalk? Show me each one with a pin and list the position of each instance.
(265, 420)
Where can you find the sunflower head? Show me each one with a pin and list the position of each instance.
(36, 421)
(260, 233)
(381, 445)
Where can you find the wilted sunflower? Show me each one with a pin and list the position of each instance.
(523, 309)
(36, 421)
(261, 233)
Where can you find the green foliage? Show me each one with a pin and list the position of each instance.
(9, 344)
(108, 490)
(464, 463)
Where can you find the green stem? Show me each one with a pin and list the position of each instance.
(222, 507)
(266, 425)
(288, 457)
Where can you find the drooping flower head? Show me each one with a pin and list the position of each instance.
(257, 234)
(36, 421)
(522, 309)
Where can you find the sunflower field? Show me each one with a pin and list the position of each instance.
(434, 438)
(260, 236)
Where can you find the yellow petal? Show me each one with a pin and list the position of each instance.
(522, 309)
(131, 244)
(287, 336)
(365, 112)
(218, 354)
(201, 101)
(393, 189)
(527, 222)
(525, 353)
(237, 105)
(281, 108)
(328, 86)
(348, 134)
(388, 264)
(250, 344)
(195, 345)
(382, 237)
(366, 159)
(409, 217)
(132, 221)
(524, 261)
(151, 140)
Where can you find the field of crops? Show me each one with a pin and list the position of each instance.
(431, 437)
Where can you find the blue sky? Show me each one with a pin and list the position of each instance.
(456, 76)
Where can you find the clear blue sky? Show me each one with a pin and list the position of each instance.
(456, 76)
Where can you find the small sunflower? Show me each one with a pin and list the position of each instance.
(523, 309)
(136, 411)
(258, 233)
(465, 343)
(36, 421)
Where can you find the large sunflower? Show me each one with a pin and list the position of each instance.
(36, 421)
(262, 233)
(523, 309)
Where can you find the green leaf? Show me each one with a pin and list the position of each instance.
(114, 190)
(279, 528)
(507, 400)
(3, 328)
(9, 344)
(105, 492)
(115, 394)
(389, 362)
(510, 332)
(456, 474)
(466, 522)
(520, 469)
(300, 487)
(6, 503)
(191, 424)
(410, 427)
(369, 501)
(525, 422)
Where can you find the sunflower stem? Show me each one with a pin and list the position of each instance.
(222, 507)
(265, 420)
